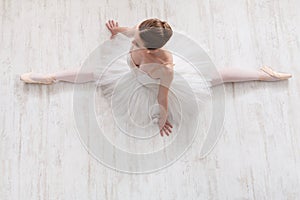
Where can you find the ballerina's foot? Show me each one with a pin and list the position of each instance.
(37, 78)
(271, 75)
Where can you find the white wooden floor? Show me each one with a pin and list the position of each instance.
(258, 155)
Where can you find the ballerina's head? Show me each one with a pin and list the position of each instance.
(152, 34)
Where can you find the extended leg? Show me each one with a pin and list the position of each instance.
(74, 76)
(234, 74)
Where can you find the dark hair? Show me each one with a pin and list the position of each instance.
(155, 33)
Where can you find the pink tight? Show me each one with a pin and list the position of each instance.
(73, 76)
(235, 74)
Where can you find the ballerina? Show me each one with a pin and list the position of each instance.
(147, 56)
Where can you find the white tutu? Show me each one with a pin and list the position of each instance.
(131, 95)
(132, 91)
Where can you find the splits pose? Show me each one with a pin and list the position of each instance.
(149, 63)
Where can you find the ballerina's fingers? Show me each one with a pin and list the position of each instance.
(168, 128)
(108, 25)
(115, 24)
(166, 131)
(169, 124)
(112, 23)
(162, 131)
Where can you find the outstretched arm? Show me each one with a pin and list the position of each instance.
(162, 98)
(114, 28)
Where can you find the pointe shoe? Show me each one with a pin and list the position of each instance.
(275, 75)
(27, 78)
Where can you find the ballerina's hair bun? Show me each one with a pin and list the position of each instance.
(155, 33)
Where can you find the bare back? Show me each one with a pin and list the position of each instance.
(152, 63)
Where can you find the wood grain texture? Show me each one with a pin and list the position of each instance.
(257, 157)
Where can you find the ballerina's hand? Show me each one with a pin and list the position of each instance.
(164, 127)
(112, 27)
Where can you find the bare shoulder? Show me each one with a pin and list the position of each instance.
(167, 56)
(166, 75)
(167, 66)
(164, 69)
